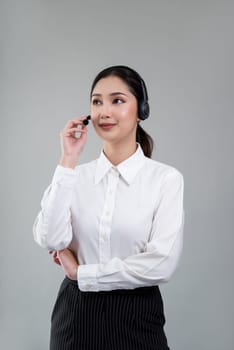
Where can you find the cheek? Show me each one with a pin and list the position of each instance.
(129, 114)
(94, 115)
(131, 109)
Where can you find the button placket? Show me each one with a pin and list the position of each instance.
(106, 218)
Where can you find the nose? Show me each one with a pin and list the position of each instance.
(102, 111)
(105, 110)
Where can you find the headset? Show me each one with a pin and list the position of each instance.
(143, 104)
(86, 121)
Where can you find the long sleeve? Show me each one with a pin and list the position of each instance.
(52, 227)
(162, 252)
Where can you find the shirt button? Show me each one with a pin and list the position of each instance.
(107, 213)
(88, 285)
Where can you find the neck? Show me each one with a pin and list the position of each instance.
(117, 153)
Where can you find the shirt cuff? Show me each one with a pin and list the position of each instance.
(87, 278)
(64, 176)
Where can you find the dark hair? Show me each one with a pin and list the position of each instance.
(134, 82)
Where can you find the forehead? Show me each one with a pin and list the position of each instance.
(109, 85)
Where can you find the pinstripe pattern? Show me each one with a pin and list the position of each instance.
(114, 320)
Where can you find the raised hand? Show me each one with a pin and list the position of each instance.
(72, 146)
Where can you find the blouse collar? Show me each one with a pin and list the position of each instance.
(127, 169)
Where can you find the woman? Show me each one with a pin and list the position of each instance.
(114, 224)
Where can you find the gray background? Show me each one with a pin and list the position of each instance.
(50, 52)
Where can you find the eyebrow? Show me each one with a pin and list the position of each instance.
(112, 94)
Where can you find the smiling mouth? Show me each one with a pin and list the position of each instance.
(106, 126)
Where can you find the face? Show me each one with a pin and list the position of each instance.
(114, 110)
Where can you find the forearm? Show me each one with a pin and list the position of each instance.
(152, 267)
(52, 227)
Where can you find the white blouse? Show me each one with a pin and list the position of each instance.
(124, 223)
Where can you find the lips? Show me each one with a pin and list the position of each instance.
(107, 126)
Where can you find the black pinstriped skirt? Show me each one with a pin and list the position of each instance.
(107, 320)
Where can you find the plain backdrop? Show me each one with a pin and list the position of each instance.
(50, 52)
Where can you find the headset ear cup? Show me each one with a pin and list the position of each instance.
(144, 110)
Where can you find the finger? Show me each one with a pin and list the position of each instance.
(82, 135)
(75, 130)
(73, 134)
(72, 131)
(57, 261)
(54, 254)
(75, 121)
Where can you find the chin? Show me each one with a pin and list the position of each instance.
(106, 135)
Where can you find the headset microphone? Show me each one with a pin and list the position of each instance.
(86, 121)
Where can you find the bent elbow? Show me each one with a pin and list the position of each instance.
(50, 243)
(38, 234)
(43, 236)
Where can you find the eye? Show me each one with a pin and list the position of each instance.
(96, 102)
(118, 100)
